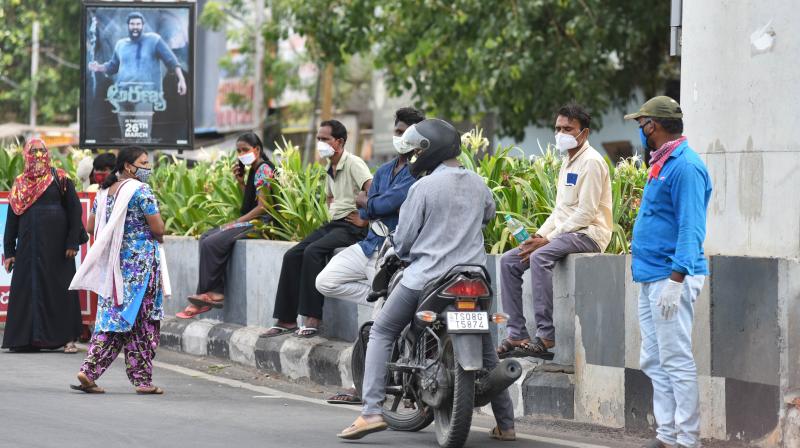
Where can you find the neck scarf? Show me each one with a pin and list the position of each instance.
(659, 158)
(36, 177)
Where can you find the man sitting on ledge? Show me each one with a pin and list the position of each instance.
(580, 222)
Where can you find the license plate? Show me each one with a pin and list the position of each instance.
(467, 322)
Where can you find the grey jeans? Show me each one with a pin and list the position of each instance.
(397, 313)
(541, 264)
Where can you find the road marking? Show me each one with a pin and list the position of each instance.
(274, 393)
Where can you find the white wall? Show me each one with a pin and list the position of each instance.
(741, 114)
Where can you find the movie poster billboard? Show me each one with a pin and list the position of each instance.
(137, 65)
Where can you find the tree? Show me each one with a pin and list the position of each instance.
(58, 87)
(519, 59)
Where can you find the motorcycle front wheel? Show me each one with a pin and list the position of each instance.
(454, 417)
(403, 413)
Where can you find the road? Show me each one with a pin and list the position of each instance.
(199, 409)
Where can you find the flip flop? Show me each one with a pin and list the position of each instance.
(205, 300)
(344, 398)
(188, 314)
(534, 349)
(306, 332)
(70, 348)
(507, 347)
(153, 390)
(361, 428)
(508, 435)
(87, 386)
(281, 331)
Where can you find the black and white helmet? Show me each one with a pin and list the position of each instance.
(434, 140)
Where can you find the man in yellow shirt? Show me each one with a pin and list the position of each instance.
(580, 222)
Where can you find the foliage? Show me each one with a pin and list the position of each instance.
(12, 163)
(194, 200)
(296, 200)
(517, 59)
(58, 77)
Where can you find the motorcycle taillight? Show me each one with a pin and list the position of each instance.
(466, 287)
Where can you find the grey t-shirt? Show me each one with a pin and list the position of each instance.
(441, 224)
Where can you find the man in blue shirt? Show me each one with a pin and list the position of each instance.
(349, 274)
(137, 90)
(669, 263)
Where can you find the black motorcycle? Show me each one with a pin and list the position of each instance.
(436, 371)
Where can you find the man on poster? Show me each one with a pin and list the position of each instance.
(137, 92)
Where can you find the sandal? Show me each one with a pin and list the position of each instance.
(507, 347)
(201, 300)
(535, 348)
(277, 330)
(70, 348)
(152, 390)
(190, 312)
(306, 332)
(509, 435)
(86, 385)
(361, 428)
(345, 398)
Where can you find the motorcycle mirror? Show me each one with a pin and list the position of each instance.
(379, 228)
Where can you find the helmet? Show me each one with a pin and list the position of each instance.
(435, 139)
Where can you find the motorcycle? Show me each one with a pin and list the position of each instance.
(436, 371)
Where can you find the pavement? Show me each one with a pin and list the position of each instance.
(207, 404)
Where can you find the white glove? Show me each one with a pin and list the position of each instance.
(670, 298)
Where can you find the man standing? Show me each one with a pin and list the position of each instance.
(137, 91)
(580, 222)
(349, 274)
(348, 175)
(669, 263)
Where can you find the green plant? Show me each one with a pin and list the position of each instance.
(296, 200)
(11, 164)
(194, 200)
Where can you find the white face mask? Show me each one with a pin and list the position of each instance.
(565, 142)
(397, 142)
(325, 150)
(247, 159)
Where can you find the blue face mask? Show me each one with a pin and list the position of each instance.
(143, 174)
(643, 139)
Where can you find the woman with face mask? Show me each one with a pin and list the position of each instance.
(216, 244)
(128, 230)
(40, 243)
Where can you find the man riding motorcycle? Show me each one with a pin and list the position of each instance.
(440, 226)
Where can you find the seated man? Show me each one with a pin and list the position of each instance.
(580, 222)
(440, 226)
(297, 293)
(349, 274)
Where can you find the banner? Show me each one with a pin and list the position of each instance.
(88, 300)
(137, 71)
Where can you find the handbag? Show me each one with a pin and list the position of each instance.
(83, 236)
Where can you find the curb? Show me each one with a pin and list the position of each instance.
(327, 362)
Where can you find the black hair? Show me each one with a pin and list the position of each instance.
(408, 115)
(104, 161)
(134, 15)
(126, 155)
(338, 131)
(671, 125)
(575, 111)
(252, 139)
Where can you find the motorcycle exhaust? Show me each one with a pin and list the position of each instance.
(498, 380)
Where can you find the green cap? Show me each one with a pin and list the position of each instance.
(658, 107)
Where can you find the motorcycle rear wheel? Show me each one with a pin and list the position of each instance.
(454, 417)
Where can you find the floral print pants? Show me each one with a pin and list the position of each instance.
(139, 346)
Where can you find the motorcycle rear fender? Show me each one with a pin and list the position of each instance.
(468, 350)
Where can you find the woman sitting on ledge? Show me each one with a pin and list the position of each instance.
(216, 244)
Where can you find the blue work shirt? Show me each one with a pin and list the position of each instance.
(385, 196)
(671, 225)
(139, 61)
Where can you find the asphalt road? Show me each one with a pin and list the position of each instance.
(199, 409)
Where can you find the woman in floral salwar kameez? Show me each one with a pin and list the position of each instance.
(131, 324)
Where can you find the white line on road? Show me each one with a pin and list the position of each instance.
(274, 393)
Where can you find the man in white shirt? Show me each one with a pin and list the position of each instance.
(580, 222)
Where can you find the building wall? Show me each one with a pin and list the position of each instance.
(741, 108)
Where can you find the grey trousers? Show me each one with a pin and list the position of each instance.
(397, 313)
(541, 264)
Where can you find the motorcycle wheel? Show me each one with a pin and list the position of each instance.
(403, 413)
(454, 417)
(358, 357)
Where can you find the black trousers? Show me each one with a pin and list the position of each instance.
(216, 246)
(297, 291)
